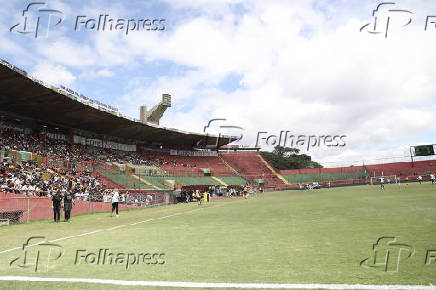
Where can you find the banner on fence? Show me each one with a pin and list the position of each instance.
(192, 153)
(103, 144)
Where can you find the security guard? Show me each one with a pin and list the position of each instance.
(57, 199)
(68, 205)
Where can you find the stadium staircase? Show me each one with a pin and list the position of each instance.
(189, 165)
(269, 165)
(109, 182)
(228, 165)
(219, 180)
(157, 166)
(251, 167)
(145, 181)
(127, 181)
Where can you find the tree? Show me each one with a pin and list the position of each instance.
(285, 151)
(284, 158)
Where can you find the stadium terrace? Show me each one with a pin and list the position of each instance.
(56, 141)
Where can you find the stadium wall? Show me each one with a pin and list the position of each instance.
(354, 175)
(322, 170)
(40, 207)
(397, 168)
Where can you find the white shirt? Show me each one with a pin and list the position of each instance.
(115, 197)
(24, 189)
(382, 180)
(431, 176)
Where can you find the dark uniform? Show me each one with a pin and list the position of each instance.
(68, 205)
(57, 207)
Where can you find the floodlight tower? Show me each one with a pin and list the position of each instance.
(156, 113)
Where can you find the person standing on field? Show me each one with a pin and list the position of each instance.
(57, 199)
(68, 205)
(115, 200)
(382, 183)
(198, 196)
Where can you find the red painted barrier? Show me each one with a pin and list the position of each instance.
(36, 208)
(396, 168)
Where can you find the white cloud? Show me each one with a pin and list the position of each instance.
(53, 74)
(103, 73)
(305, 67)
(65, 51)
(339, 81)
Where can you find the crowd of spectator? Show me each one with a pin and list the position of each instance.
(55, 149)
(58, 172)
(29, 179)
(161, 161)
(39, 144)
(16, 140)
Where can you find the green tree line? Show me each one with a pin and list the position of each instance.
(284, 158)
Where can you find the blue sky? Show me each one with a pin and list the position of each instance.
(269, 66)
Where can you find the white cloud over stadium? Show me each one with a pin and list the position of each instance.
(302, 66)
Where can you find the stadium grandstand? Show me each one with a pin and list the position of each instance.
(54, 139)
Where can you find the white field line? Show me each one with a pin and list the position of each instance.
(113, 228)
(221, 285)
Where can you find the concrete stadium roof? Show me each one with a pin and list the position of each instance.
(21, 95)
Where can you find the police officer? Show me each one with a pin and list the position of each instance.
(57, 199)
(68, 205)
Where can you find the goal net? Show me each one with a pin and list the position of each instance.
(387, 179)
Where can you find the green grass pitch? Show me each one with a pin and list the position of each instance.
(319, 236)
